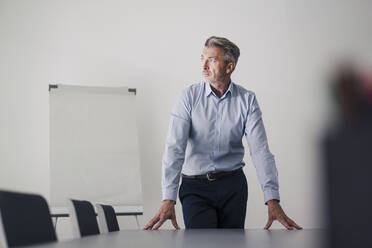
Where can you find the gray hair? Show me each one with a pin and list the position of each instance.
(231, 51)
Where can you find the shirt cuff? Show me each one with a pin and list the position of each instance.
(170, 195)
(270, 194)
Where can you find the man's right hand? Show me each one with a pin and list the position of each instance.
(165, 212)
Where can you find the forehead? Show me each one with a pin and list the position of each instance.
(212, 52)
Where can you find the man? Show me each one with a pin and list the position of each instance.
(210, 119)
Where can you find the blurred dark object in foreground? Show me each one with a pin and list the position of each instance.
(348, 161)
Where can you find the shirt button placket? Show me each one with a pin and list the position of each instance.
(220, 109)
(214, 132)
(217, 126)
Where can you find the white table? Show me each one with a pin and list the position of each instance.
(200, 238)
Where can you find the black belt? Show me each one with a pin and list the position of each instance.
(213, 176)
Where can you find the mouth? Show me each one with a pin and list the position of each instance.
(205, 73)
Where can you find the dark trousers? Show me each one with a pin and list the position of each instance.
(214, 204)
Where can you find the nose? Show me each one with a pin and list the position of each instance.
(205, 64)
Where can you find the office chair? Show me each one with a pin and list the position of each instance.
(83, 218)
(24, 220)
(107, 218)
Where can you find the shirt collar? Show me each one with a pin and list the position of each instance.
(208, 89)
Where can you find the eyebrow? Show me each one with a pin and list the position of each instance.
(213, 57)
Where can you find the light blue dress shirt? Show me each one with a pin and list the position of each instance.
(205, 135)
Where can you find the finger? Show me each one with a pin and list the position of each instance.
(292, 223)
(174, 222)
(152, 222)
(268, 224)
(159, 224)
(284, 223)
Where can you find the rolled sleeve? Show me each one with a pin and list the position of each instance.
(262, 158)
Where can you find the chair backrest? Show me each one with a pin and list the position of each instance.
(24, 220)
(107, 218)
(83, 218)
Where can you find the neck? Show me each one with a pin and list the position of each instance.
(219, 88)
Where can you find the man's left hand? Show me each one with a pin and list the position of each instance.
(276, 213)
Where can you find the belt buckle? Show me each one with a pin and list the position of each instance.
(209, 178)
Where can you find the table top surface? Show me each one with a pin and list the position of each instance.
(200, 238)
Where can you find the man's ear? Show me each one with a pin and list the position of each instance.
(230, 67)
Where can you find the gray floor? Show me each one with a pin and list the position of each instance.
(201, 238)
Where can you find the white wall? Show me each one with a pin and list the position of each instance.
(287, 48)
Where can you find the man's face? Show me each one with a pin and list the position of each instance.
(214, 67)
